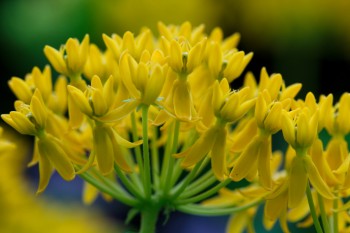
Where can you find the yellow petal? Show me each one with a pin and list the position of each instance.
(125, 143)
(291, 91)
(21, 89)
(45, 171)
(215, 58)
(244, 135)
(182, 100)
(218, 98)
(126, 71)
(260, 110)
(274, 207)
(98, 103)
(164, 30)
(218, 155)
(79, 99)
(76, 117)
(288, 129)
(195, 56)
(230, 42)
(56, 59)
(141, 77)
(90, 193)
(273, 120)
(119, 113)
(316, 180)
(274, 86)
(264, 163)
(129, 43)
(297, 182)
(299, 212)
(84, 51)
(108, 91)
(89, 163)
(119, 156)
(58, 158)
(154, 85)
(72, 49)
(246, 160)
(112, 46)
(23, 123)
(237, 223)
(38, 110)
(199, 149)
(318, 158)
(175, 59)
(103, 148)
(233, 65)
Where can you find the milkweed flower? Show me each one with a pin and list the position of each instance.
(70, 59)
(31, 120)
(228, 107)
(96, 103)
(300, 133)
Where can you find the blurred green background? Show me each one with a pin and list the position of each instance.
(305, 41)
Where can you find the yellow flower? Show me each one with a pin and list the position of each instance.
(301, 131)
(229, 65)
(107, 149)
(144, 80)
(134, 46)
(53, 155)
(213, 143)
(28, 119)
(230, 106)
(71, 58)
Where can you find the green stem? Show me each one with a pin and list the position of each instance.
(313, 210)
(146, 156)
(149, 218)
(155, 158)
(136, 138)
(204, 195)
(171, 160)
(177, 171)
(127, 183)
(325, 223)
(196, 209)
(335, 214)
(182, 186)
(113, 192)
(166, 158)
(199, 185)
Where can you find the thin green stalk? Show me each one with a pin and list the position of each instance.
(171, 160)
(182, 186)
(197, 187)
(325, 223)
(122, 197)
(196, 209)
(135, 138)
(155, 157)
(145, 150)
(127, 183)
(177, 171)
(204, 195)
(166, 157)
(313, 210)
(335, 214)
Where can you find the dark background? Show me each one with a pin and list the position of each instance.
(307, 42)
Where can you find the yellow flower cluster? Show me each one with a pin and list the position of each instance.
(171, 93)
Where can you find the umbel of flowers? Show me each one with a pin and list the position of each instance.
(152, 122)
